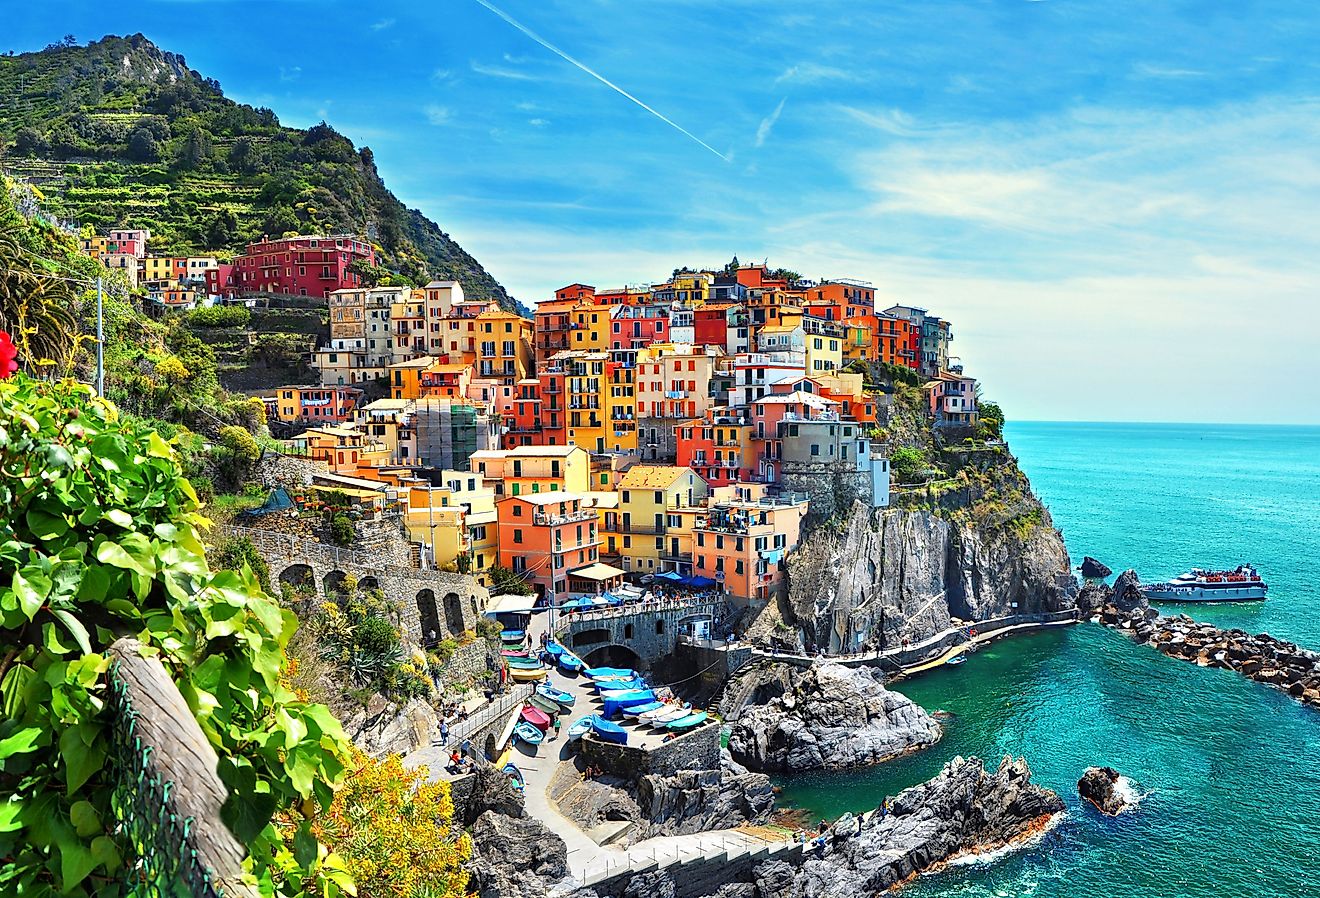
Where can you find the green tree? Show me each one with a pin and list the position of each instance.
(236, 553)
(342, 531)
(991, 421)
(908, 464)
(142, 146)
(505, 582)
(101, 537)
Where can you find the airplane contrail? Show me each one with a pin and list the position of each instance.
(599, 77)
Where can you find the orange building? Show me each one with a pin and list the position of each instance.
(551, 540)
(742, 543)
(720, 447)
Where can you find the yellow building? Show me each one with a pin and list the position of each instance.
(408, 327)
(650, 527)
(502, 344)
(93, 246)
(600, 412)
(534, 469)
(162, 269)
(406, 377)
(457, 521)
(823, 344)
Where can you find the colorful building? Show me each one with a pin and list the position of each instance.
(719, 446)
(741, 543)
(313, 404)
(534, 469)
(549, 539)
(297, 266)
(649, 499)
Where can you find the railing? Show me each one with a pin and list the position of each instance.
(498, 709)
(571, 517)
(648, 606)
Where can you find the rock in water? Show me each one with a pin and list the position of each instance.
(1095, 570)
(1099, 786)
(834, 717)
(1126, 594)
(964, 810)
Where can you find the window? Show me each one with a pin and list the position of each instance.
(627, 631)
(815, 450)
(660, 626)
(517, 507)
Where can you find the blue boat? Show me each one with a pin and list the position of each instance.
(638, 710)
(513, 635)
(603, 686)
(554, 648)
(515, 776)
(563, 699)
(954, 661)
(686, 723)
(581, 728)
(614, 704)
(610, 673)
(526, 663)
(609, 732)
(528, 733)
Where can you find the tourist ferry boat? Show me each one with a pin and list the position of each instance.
(1242, 584)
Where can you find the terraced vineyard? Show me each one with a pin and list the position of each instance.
(121, 133)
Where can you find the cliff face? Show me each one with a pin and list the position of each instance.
(977, 546)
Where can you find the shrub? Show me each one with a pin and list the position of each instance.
(342, 531)
(102, 538)
(392, 827)
(907, 464)
(220, 316)
(234, 554)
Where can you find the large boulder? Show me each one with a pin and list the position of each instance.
(833, 717)
(1126, 593)
(515, 857)
(1100, 786)
(963, 810)
(1095, 570)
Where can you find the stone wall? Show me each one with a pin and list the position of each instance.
(833, 487)
(662, 433)
(467, 662)
(697, 750)
(275, 470)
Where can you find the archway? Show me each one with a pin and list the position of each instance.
(299, 576)
(429, 617)
(368, 583)
(336, 584)
(590, 637)
(454, 613)
(614, 656)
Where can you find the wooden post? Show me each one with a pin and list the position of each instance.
(182, 755)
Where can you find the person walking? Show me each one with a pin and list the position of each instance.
(558, 720)
(444, 733)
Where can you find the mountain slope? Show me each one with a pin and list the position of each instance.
(121, 133)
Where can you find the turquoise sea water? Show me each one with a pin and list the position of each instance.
(1230, 769)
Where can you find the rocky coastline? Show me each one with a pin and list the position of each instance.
(1258, 656)
(1101, 787)
(832, 717)
(965, 810)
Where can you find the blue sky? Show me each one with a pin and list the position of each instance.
(1116, 203)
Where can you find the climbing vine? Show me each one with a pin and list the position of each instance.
(99, 539)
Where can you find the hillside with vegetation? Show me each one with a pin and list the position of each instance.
(120, 133)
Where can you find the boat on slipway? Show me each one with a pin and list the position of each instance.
(1242, 584)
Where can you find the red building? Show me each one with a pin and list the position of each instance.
(711, 323)
(636, 326)
(522, 422)
(295, 266)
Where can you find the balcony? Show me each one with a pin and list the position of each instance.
(554, 520)
(676, 394)
(638, 529)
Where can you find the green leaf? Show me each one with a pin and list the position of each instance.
(120, 517)
(31, 590)
(10, 812)
(75, 628)
(247, 815)
(106, 853)
(84, 818)
(15, 683)
(76, 861)
(304, 845)
(22, 742)
(46, 526)
(80, 759)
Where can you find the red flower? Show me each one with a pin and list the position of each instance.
(8, 356)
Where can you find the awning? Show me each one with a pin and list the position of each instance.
(575, 604)
(510, 604)
(671, 576)
(597, 571)
(699, 582)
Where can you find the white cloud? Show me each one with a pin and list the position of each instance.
(891, 121)
(1147, 70)
(538, 122)
(437, 115)
(496, 71)
(441, 75)
(813, 73)
(768, 123)
(290, 73)
(383, 24)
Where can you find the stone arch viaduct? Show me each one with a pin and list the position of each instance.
(635, 635)
(433, 605)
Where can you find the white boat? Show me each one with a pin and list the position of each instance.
(1242, 584)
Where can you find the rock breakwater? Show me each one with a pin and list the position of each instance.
(833, 717)
(1275, 662)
